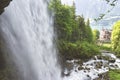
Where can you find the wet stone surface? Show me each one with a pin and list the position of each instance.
(95, 69)
(3, 4)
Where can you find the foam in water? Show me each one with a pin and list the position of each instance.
(28, 32)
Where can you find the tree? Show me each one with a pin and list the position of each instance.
(116, 37)
(89, 32)
(81, 28)
(74, 34)
(96, 34)
(62, 19)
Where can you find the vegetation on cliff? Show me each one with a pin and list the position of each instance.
(74, 34)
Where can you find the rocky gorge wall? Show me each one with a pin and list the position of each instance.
(6, 68)
(3, 4)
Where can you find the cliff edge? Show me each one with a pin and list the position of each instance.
(3, 4)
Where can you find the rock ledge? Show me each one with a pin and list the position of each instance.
(3, 4)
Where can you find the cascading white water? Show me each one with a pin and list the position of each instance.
(28, 32)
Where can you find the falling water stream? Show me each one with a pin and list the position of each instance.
(28, 31)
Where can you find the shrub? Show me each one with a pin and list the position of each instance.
(116, 38)
(78, 50)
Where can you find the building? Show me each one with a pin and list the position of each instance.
(105, 35)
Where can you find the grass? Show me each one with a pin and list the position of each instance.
(106, 46)
(114, 74)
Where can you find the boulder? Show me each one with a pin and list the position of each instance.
(80, 68)
(112, 60)
(103, 76)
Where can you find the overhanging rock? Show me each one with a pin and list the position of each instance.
(3, 4)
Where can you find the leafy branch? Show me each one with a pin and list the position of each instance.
(111, 3)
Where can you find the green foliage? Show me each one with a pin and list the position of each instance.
(78, 50)
(112, 3)
(83, 30)
(116, 38)
(63, 19)
(106, 46)
(89, 33)
(96, 34)
(114, 74)
(74, 34)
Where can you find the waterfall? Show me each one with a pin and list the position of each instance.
(28, 32)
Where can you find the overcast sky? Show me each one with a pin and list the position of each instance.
(90, 8)
(93, 8)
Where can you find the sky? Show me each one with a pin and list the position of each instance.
(69, 2)
(93, 8)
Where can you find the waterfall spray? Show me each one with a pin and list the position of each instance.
(28, 32)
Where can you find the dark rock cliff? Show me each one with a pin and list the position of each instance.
(3, 4)
(7, 70)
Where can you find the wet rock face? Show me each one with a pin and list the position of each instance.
(3, 4)
(96, 68)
